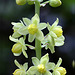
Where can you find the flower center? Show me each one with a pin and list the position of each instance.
(41, 68)
(32, 28)
(58, 31)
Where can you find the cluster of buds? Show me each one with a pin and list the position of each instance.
(52, 3)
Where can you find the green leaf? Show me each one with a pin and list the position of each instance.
(45, 59)
(39, 35)
(23, 30)
(35, 61)
(47, 73)
(32, 70)
(31, 38)
(50, 66)
(27, 21)
(59, 62)
(35, 19)
(42, 26)
(13, 39)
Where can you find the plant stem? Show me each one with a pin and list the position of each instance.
(37, 8)
(37, 42)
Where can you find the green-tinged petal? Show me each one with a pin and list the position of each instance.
(31, 38)
(17, 54)
(48, 27)
(25, 66)
(17, 64)
(51, 44)
(51, 47)
(24, 53)
(16, 35)
(35, 61)
(35, 19)
(13, 39)
(22, 42)
(51, 40)
(56, 73)
(45, 59)
(39, 35)
(50, 66)
(38, 73)
(47, 73)
(55, 23)
(26, 21)
(17, 25)
(23, 30)
(32, 70)
(42, 26)
(59, 41)
(53, 34)
(59, 62)
(30, 46)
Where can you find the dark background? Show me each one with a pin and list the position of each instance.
(11, 12)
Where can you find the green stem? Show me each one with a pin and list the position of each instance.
(37, 42)
(37, 8)
(38, 48)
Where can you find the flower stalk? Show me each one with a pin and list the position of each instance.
(37, 42)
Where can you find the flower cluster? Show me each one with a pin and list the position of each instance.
(54, 37)
(43, 67)
(22, 69)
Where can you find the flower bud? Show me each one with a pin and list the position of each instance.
(20, 2)
(61, 70)
(17, 72)
(30, 2)
(55, 3)
(17, 48)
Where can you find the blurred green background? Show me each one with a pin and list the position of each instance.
(11, 12)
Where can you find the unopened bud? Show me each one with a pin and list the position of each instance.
(55, 3)
(17, 48)
(20, 2)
